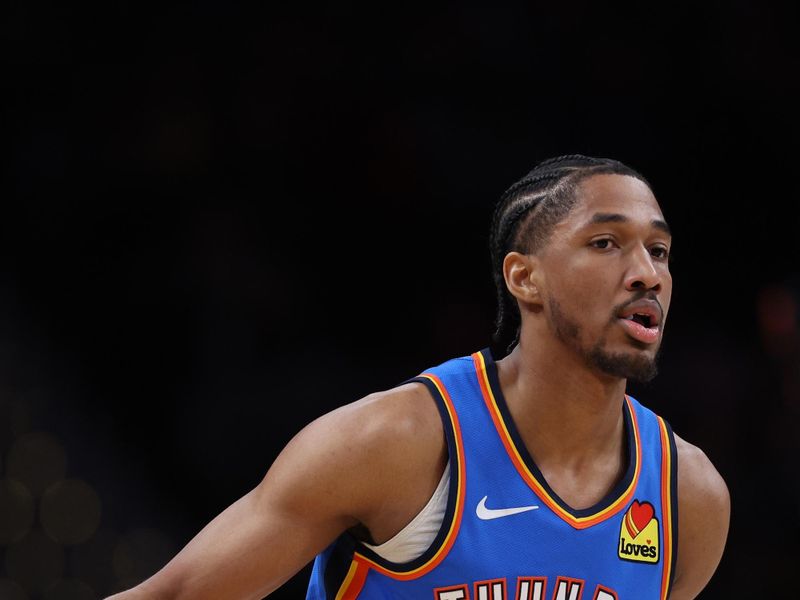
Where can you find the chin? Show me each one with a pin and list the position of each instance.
(640, 367)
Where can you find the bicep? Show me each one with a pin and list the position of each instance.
(704, 515)
(354, 465)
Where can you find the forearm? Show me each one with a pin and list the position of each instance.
(245, 553)
(267, 536)
(144, 591)
(231, 558)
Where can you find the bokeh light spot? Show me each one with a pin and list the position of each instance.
(69, 589)
(35, 562)
(37, 460)
(70, 511)
(139, 554)
(17, 511)
(11, 590)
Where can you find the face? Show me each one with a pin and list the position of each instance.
(606, 284)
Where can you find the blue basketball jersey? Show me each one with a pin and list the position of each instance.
(506, 534)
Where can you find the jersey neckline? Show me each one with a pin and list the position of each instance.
(609, 505)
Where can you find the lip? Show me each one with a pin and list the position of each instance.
(651, 308)
(645, 335)
(640, 333)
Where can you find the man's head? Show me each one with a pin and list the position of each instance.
(579, 249)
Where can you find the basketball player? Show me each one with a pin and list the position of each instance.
(534, 477)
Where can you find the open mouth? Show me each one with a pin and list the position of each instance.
(642, 319)
(642, 327)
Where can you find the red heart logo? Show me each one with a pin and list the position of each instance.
(638, 516)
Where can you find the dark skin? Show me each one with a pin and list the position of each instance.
(570, 295)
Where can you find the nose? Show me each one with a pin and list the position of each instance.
(643, 274)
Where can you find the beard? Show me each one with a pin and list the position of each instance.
(635, 367)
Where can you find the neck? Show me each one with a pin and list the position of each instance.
(564, 411)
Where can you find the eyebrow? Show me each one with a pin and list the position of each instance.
(599, 218)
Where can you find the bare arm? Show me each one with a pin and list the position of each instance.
(262, 539)
(704, 509)
(333, 475)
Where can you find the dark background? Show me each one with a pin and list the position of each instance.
(220, 222)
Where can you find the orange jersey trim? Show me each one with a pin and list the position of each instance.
(666, 507)
(353, 581)
(460, 472)
(528, 476)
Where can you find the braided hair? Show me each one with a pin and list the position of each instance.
(525, 216)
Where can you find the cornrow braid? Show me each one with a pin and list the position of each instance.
(525, 216)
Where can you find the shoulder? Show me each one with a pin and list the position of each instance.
(397, 421)
(365, 460)
(700, 486)
(703, 519)
(343, 470)
(698, 477)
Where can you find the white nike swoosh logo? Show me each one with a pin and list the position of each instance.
(495, 513)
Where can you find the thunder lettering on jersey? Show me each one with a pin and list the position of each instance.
(493, 545)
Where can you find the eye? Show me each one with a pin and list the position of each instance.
(602, 243)
(659, 252)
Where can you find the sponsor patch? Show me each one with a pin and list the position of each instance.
(638, 534)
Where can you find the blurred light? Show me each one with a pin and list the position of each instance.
(69, 589)
(35, 562)
(70, 511)
(11, 590)
(777, 311)
(139, 554)
(17, 510)
(37, 460)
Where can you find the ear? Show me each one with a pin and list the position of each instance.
(522, 273)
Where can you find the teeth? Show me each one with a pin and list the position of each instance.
(648, 321)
